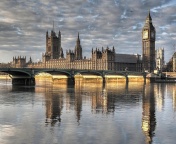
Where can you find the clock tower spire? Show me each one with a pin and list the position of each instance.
(148, 44)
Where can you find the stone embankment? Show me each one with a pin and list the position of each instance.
(5, 77)
(170, 74)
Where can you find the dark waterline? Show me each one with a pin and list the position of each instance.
(87, 113)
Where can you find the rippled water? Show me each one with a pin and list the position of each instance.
(87, 113)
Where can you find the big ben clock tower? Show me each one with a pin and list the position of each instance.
(148, 45)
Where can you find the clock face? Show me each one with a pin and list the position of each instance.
(145, 34)
(152, 34)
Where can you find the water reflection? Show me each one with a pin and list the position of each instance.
(103, 98)
(54, 106)
(127, 111)
(54, 101)
(174, 98)
(78, 100)
(148, 115)
(159, 91)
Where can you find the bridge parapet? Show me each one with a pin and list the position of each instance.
(26, 76)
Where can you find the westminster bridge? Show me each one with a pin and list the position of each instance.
(26, 76)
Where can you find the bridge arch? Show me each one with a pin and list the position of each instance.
(16, 73)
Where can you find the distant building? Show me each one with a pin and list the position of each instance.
(5, 65)
(174, 62)
(104, 59)
(171, 65)
(53, 46)
(101, 58)
(159, 55)
(19, 62)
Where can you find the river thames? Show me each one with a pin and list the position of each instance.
(87, 113)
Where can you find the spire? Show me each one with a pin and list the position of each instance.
(61, 53)
(78, 37)
(53, 25)
(78, 40)
(149, 18)
(113, 49)
(102, 49)
(78, 49)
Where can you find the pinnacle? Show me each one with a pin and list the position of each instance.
(149, 16)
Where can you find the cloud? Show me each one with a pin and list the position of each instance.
(23, 24)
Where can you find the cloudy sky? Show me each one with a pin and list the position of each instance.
(118, 23)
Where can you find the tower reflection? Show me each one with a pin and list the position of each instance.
(159, 90)
(174, 97)
(54, 105)
(78, 99)
(54, 99)
(148, 115)
(94, 97)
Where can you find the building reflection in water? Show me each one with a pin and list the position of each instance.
(148, 115)
(54, 105)
(99, 98)
(78, 100)
(103, 99)
(174, 97)
(159, 91)
(172, 88)
(53, 99)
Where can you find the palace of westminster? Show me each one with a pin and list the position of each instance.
(101, 59)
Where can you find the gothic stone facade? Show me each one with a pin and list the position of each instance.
(159, 56)
(104, 59)
(20, 62)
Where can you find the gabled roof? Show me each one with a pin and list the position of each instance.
(126, 58)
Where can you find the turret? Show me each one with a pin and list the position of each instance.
(113, 49)
(102, 49)
(59, 34)
(149, 18)
(61, 53)
(78, 50)
(78, 40)
(47, 34)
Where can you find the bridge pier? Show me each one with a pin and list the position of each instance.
(104, 79)
(71, 81)
(23, 81)
(127, 79)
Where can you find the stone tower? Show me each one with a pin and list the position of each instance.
(159, 57)
(148, 45)
(53, 45)
(78, 49)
